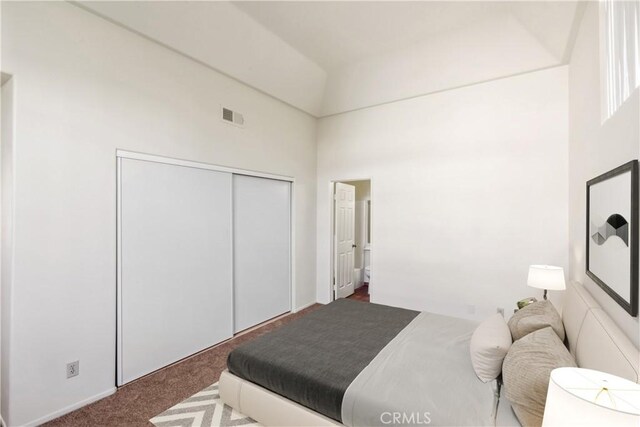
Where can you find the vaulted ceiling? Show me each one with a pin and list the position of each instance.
(328, 57)
(334, 34)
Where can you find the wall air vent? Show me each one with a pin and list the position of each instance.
(232, 117)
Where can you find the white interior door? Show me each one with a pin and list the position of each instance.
(345, 197)
(262, 249)
(175, 262)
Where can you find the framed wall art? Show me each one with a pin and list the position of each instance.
(612, 234)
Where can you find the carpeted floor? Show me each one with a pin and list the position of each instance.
(137, 402)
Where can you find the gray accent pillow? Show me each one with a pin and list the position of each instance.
(526, 371)
(538, 315)
(489, 345)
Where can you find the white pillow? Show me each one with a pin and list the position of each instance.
(489, 345)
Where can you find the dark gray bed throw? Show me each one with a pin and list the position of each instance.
(314, 359)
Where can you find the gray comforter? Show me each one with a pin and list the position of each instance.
(312, 360)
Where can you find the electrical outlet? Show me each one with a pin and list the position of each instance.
(73, 369)
(500, 310)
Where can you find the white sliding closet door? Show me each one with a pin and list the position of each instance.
(262, 249)
(175, 292)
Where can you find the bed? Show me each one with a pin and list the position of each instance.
(315, 371)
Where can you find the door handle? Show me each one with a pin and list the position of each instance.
(354, 246)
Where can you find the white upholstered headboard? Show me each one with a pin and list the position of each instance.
(594, 339)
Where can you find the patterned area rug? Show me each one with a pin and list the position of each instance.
(203, 409)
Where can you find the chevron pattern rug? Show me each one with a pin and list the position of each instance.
(203, 409)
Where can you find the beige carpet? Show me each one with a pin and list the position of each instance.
(203, 409)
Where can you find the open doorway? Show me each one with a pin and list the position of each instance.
(351, 237)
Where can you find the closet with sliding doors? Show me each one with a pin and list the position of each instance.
(203, 253)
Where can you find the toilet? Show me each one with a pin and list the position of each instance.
(367, 265)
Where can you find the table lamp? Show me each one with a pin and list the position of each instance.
(584, 397)
(546, 277)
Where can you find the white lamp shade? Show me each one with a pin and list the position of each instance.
(583, 397)
(546, 277)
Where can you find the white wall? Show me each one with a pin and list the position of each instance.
(85, 87)
(235, 44)
(595, 148)
(497, 47)
(469, 187)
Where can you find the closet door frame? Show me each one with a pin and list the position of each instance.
(124, 154)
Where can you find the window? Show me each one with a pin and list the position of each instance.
(620, 57)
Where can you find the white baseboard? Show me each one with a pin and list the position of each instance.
(69, 408)
(303, 307)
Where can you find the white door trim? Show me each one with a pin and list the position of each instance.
(199, 165)
(119, 373)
